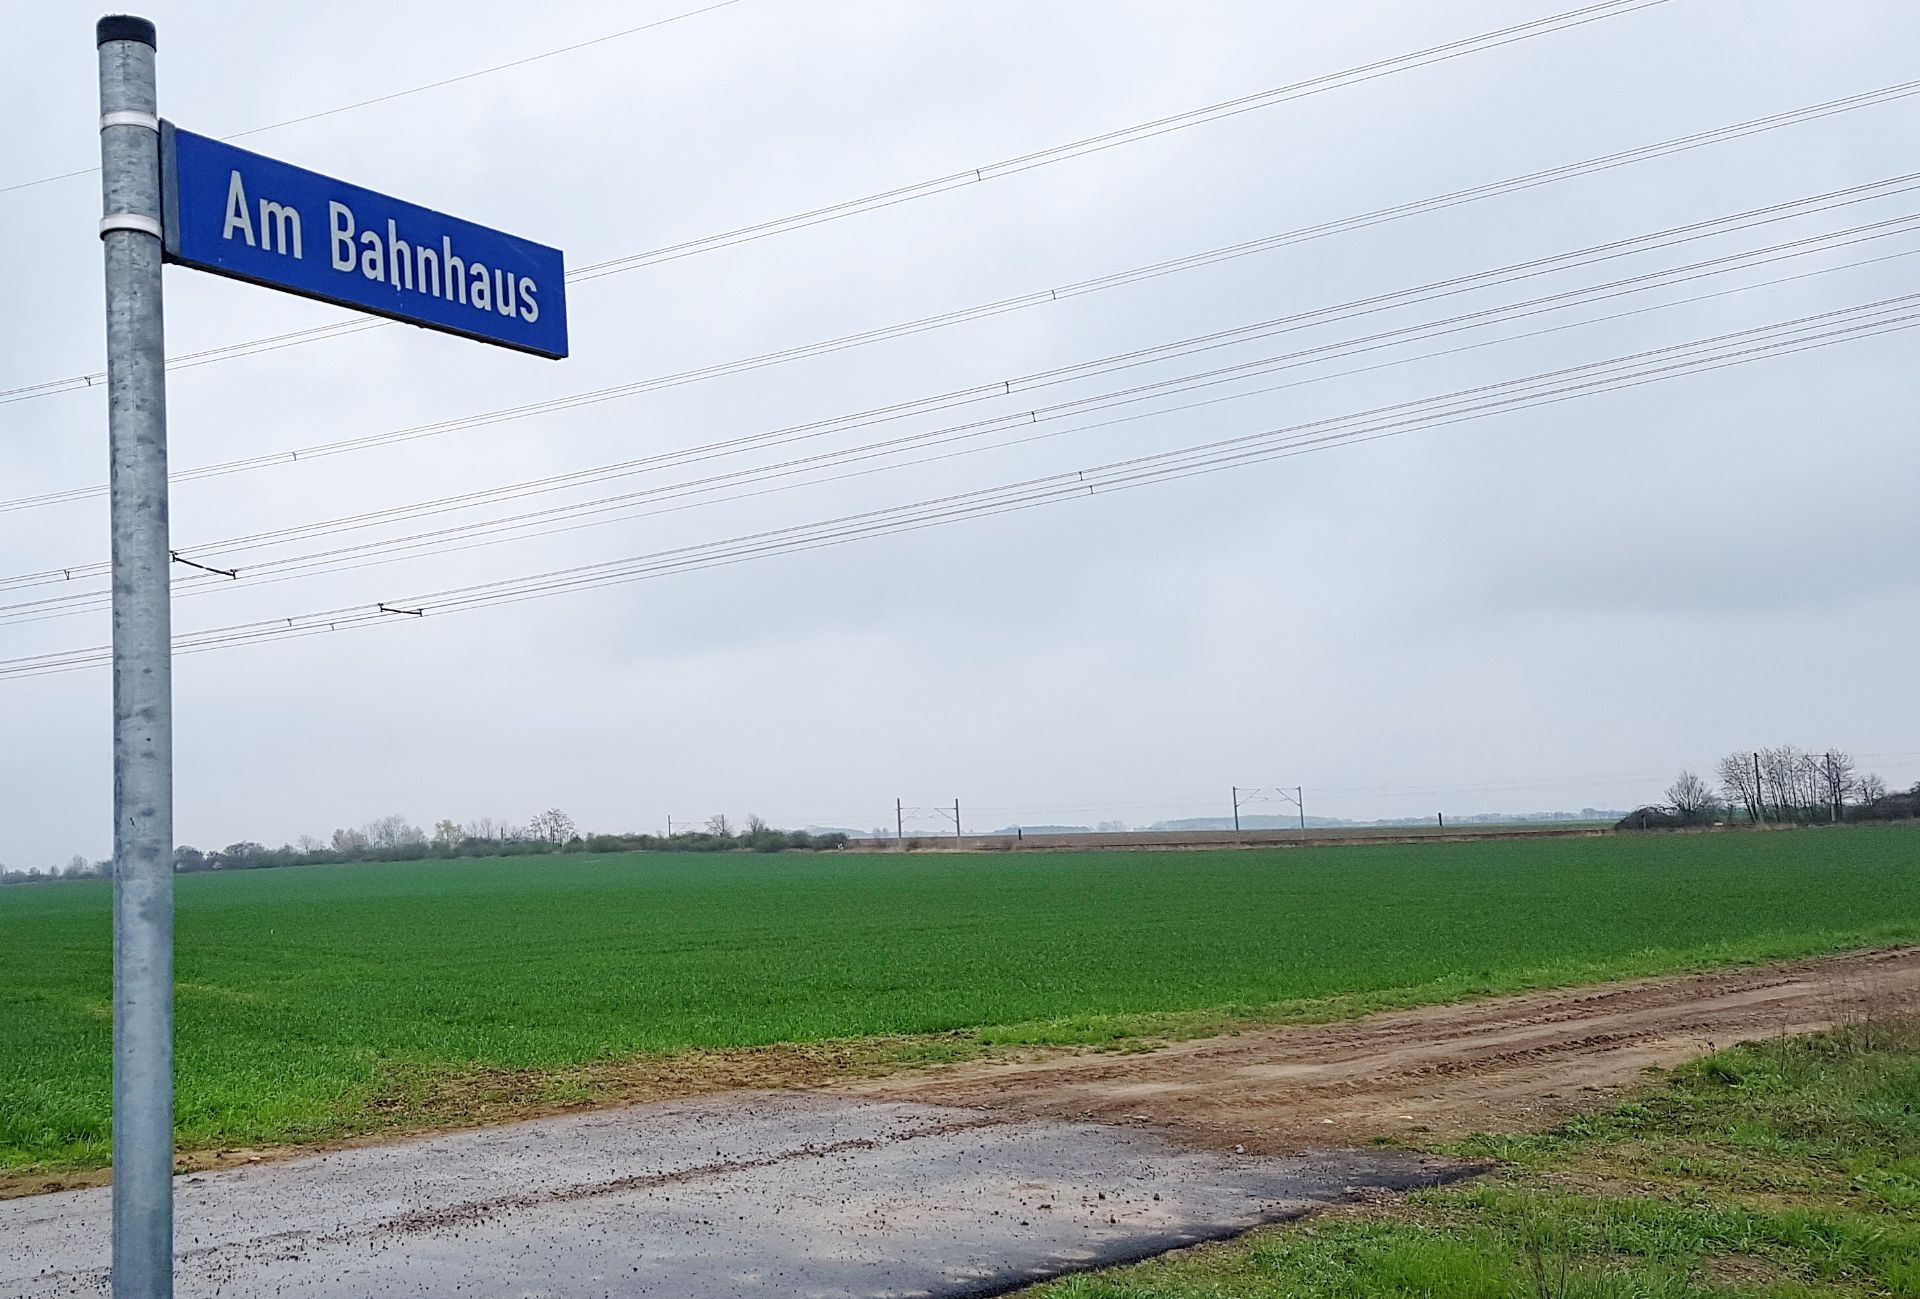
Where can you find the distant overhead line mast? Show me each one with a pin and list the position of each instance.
(902, 813)
(1245, 796)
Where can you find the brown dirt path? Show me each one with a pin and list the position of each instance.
(1441, 1071)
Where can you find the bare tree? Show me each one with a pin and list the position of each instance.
(553, 826)
(1690, 797)
(393, 831)
(1872, 789)
(307, 843)
(349, 842)
(1786, 783)
(1779, 781)
(1793, 783)
(719, 826)
(1740, 783)
(756, 824)
(484, 828)
(1839, 779)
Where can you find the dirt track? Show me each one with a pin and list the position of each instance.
(1440, 1071)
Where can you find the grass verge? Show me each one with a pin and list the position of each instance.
(1773, 1170)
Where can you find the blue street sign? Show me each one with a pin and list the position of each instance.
(239, 214)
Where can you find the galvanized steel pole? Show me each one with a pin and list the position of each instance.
(130, 232)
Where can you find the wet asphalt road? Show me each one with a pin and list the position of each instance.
(740, 1194)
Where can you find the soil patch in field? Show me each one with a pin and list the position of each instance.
(1430, 1074)
(1775, 1168)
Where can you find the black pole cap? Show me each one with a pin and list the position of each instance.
(124, 27)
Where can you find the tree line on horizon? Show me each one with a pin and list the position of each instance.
(394, 839)
(1785, 785)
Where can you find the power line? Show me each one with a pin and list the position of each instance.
(544, 520)
(1072, 481)
(1180, 347)
(1142, 131)
(1348, 793)
(1162, 807)
(327, 563)
(412, 90)
(969, 176)
(33, 610)
(1550, 387)
(1796, 207)
(435, 542)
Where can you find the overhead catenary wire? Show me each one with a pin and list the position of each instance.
(1160, 808)
(229, 552)
(273, 630)
(1780, 211)
(1145, 130)
(1342, 792)
(1188, 346)
(439, 540)
(1251, 448)
(889, 198)
(399, 549)
(409, 91)
(1268, 243)
(1551, 387)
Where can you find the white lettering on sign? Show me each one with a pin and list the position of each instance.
(373, 262)
(237, 218)
(456, 268)
(340, 226)
(279, 224)
(439, 273)
(399, 257)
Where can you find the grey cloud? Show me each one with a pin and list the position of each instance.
(1489, 604)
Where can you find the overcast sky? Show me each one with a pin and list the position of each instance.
(1555, 608)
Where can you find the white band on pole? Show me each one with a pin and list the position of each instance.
(145, 225)
(127, 117)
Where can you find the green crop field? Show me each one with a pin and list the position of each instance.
(305, 993)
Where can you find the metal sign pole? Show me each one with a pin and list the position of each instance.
(130, 232)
